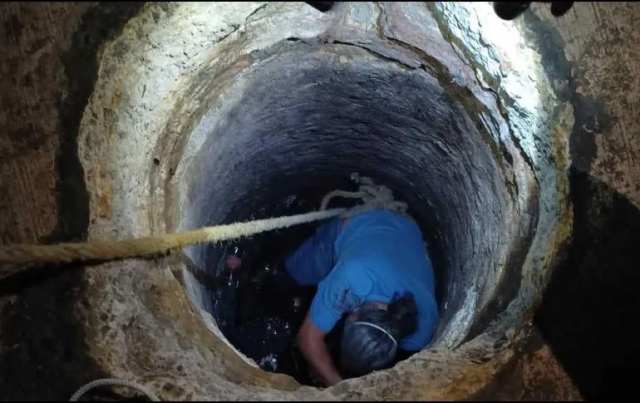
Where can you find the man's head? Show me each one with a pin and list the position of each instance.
(372, 333)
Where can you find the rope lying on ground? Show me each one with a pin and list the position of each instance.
(114, 382)
(372, 196)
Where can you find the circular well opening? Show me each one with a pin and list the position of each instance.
(299, 124)
(244, 105)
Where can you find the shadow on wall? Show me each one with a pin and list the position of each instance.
(592, 303)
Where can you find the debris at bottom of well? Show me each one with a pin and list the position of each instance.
(269, 363)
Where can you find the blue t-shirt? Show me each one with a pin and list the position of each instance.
(377, 256)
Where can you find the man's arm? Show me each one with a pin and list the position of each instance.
(314, 350)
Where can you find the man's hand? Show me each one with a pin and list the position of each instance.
(314, 350)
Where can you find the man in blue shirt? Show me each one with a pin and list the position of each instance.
(374, 269)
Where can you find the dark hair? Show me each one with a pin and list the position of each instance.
(365, 348)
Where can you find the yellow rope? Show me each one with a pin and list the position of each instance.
(153, 245)
(12, 256)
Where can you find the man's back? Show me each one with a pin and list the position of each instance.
(382, 255)
(376, 256)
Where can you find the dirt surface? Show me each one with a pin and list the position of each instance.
(48, 50)
(533, 373)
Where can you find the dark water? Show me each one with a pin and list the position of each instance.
(263, 317)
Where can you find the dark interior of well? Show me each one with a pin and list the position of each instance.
(307, 123)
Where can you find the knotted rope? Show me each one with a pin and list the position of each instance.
(11, 256)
